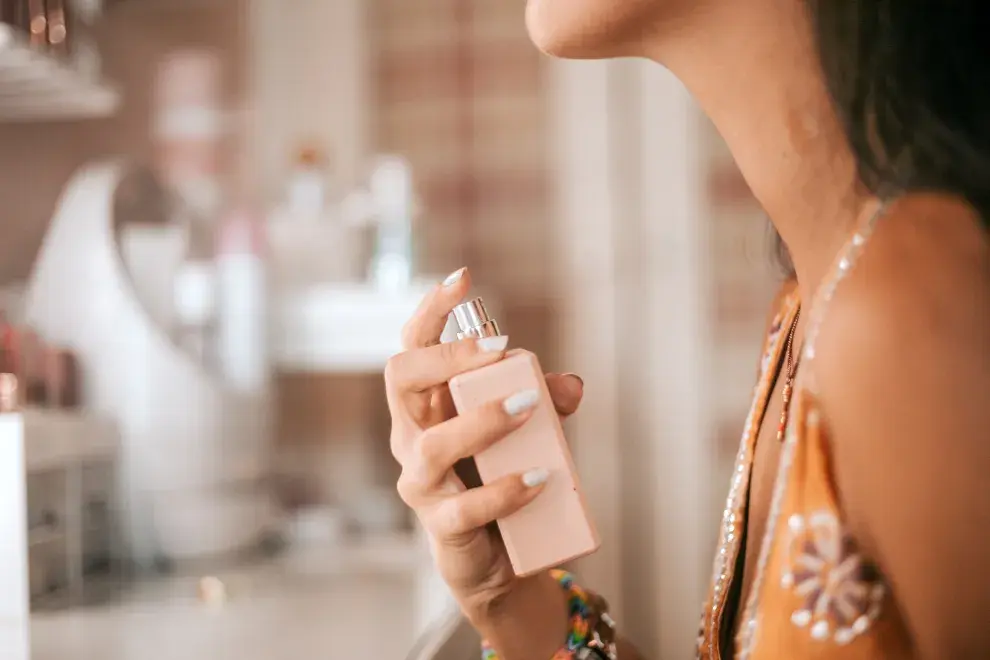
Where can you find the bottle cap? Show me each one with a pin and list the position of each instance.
(473, 320)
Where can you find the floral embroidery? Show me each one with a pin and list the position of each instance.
(841, 593)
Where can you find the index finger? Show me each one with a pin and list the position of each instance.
(428, 321)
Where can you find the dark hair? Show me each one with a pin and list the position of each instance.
(910, 80)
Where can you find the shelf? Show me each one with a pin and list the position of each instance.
(37, 87)
(60, 438)
(45, 536)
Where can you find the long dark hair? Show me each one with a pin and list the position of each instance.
(910, 80)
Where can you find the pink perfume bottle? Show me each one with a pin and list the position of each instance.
(555, 527)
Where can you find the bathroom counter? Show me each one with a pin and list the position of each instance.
(56, 485)
(269, 613)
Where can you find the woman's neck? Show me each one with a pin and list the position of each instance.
(756, 75)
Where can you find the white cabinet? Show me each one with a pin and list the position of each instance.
(56, 504)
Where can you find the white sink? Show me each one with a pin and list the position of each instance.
(341, 327)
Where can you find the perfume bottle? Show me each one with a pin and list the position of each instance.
(555, 527)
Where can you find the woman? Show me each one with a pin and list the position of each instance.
(863, 128)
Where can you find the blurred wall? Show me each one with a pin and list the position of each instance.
(459, 89)
(663, 275)
(310, 84)
(744, 278)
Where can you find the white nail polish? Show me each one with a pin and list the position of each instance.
(535, 477)
(520, 402)
(454, 277)
(495, 344)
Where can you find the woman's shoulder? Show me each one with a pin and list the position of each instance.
(902, 371)
(921, 286)
(910, 321)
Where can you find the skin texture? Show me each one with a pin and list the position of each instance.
(903, 358)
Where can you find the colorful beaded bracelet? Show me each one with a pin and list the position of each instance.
(580, 611)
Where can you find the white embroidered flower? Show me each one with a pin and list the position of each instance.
(841, 593)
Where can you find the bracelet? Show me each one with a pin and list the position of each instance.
(591, 635)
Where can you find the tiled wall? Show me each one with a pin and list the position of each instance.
(458, 92)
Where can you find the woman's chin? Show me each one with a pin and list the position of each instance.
(570, 29)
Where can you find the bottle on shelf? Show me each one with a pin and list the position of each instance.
(391, 193)
(10, 397)
(242, 297)
(21, 357)
(9, 390)
(61, 377)
(37, 23)
(60, 29)
(309, 187)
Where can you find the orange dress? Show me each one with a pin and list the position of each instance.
(813, 595)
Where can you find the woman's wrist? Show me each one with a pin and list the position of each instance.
(530, 622)
(590, 632)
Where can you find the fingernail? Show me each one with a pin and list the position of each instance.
(520, 402)
(535, 477)
(454, 277)
(493, 344)
(579, 379)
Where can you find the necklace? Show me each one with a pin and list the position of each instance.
(788, 377)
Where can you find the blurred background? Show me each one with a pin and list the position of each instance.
(216, 217)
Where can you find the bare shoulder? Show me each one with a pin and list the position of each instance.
(903, 375)
(916, 301)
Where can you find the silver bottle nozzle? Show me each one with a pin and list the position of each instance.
(473, 320)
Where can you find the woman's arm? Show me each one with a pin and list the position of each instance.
(904, 374)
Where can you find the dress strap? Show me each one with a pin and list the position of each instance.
(842, 266)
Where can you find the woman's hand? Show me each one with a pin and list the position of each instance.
(428, 440)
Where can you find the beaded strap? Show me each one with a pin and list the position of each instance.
(580, 612)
